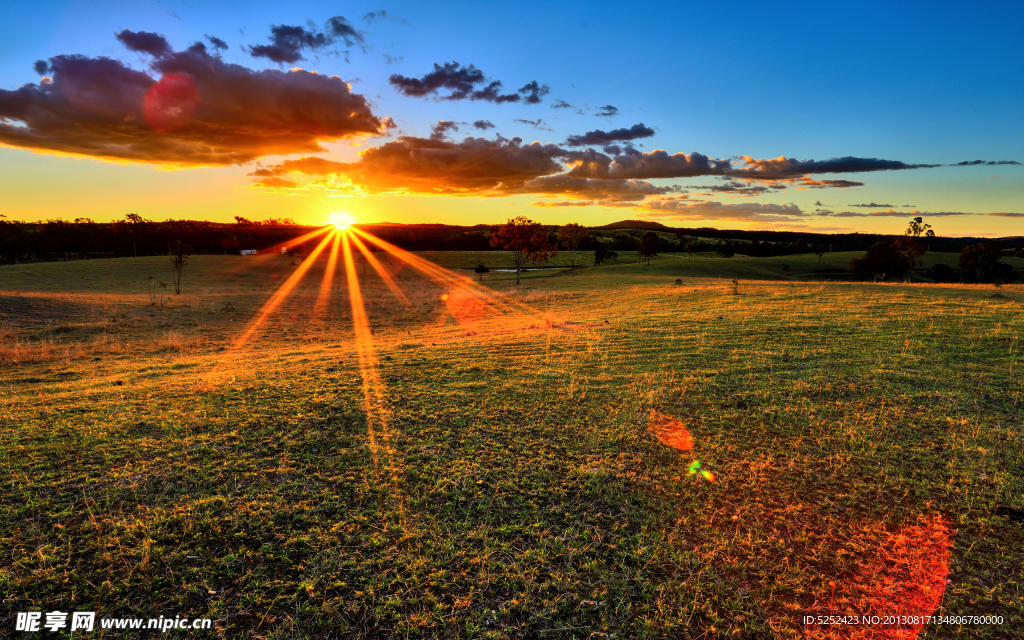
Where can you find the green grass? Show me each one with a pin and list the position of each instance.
(148, 468)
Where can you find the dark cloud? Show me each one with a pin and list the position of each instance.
(202, 111)
(872, 205)
(612, 149)
(783, 167)
(464, 83)
(440, 130)
(484, 125)
(908, 205)
(533, 93)
(606, 190)
(680, 208)
(561, 104)
(644, 166)
(635, 164)
(41, 67)
(373, 16)
(971, 163)
(144, 42)
(607, 111)
(339, 27)
(289, 42)
(890, 213)
(392, 59)
(473, 166)
(217, 42)
(461, 81)
(598, 137)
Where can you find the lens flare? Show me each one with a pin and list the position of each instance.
(341, 221)
(695, 468)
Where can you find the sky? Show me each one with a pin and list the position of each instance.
(829, 117)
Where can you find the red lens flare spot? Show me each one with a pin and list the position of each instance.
(905, 578)
(671, 433)
(170, 103)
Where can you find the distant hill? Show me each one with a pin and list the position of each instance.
(636, 224)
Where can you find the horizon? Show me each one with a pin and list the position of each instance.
(178, 112)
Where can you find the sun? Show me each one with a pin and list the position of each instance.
(341, 220)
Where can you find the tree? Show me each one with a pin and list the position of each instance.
(929, 238)
(910, 248)
(481, 269)
(241, 220)
(179, 253)
(571, 235)
(604, 255)
(916, 227)
(689, 251)
(820, 252)
(648, 245)
(526, 239)
(725, 249)
(981, 263)
(881, 260)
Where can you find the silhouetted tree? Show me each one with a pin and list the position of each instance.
(571, 235)
(882, 259)
(603, 254)
(179, 253)
(526, 239)
(648, 245)
(981, 263)
(820, 252)
(725, 249)
(481, 269)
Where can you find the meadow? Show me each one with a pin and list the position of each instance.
(506, 476)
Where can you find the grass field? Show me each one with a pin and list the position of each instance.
(503, 479)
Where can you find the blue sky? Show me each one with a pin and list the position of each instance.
(921, 84)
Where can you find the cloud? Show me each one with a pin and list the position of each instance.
(871, 205)
(484, 125)
(891, 213)
(473, 166)
(971, 163)
(605, 190)
(202, 111)
(289, 42)
(392, 59)
(440, 130)
(598, 137)
(1006, 214)
(607, 111)
(532, 92)
(459, 80)
(659, 164)
(217, 42)
(783, 167)
(561, 104)
(645, 166)
(536, 124)
(679, 208)
(463, 83)
(144, 42)
(373, 16)
(41, 67)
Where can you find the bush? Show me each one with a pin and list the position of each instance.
(943, 273)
